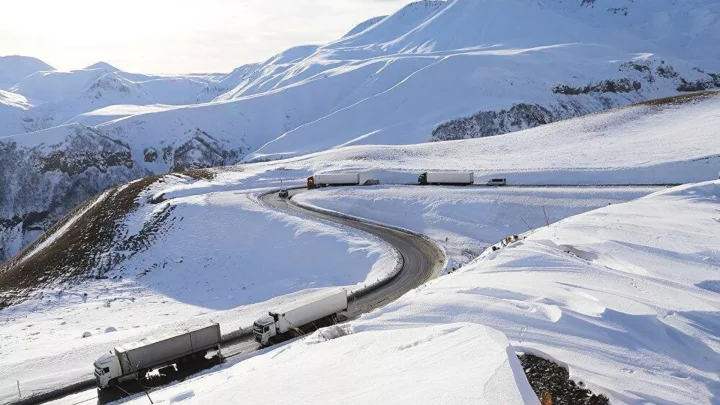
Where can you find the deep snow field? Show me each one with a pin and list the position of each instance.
(466, 221)
(582, 307)
(674, 143)
(625, 296)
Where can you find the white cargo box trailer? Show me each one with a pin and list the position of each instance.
(130, 360)
(334, 179)
(300, 313)
(450, 178)
(310, 309)
(155, 350)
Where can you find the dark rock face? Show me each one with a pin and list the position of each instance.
(92, 228)
(548, 380)
(202, 151)
(42, 182)
(489, 123)
(606, 86)
(150, 155)
(574, 101)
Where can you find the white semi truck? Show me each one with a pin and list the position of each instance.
(447, 178)
(300, 316)
(335, 179)
(132, 361)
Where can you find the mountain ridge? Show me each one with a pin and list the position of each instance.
(428, 72)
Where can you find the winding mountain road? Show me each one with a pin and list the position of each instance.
(422, 260)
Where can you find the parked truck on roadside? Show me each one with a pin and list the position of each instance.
(300, 317)
(335, 179)
(132, 361)
(447, 178)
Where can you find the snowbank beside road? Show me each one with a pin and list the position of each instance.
(626, 295)
(436, 364)
(465, 221)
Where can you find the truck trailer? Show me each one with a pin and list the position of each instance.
(447, 178)
(132, 361)
(300, 317)
(336, 179)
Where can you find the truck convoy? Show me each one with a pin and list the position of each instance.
(339, 179)
(300, 317)
(447, 178)
(132, 361)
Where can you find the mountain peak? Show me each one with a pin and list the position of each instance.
(14, 68)
(103, 65)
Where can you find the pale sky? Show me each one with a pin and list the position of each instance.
(174, 36)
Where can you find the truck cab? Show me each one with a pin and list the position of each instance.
(107, 369)
(264, 329)
(422, 179)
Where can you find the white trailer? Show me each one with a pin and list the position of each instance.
(300, 316)
(447, 178)
(334, 179)
(132, 361)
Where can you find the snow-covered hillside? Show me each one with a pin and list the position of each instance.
(678, 139)
(431, 71)
(14, 111)
(14, 68)
(210, 213)
(193, 257)
(466, 221)
(58, 97)
(626, 297)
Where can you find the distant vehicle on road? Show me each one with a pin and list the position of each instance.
(497, 182)
(284, 194)
(447, 178)
(132, 361)
(338, 179)
(300, 317)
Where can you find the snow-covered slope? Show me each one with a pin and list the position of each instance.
(14, 112)
(661, 142)
(442, 364)
(466, 221)
(431, 71)
(59, 96)
(687, 28)
(626, 296)
(664, 141)
(186, 257)
(130, 230)
(14, 68)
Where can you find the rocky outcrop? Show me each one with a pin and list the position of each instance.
(576, 100)
(44, 181)
(489, 123)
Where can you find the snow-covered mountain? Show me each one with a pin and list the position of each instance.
(59, 97)
(627, 290)
(432, 71)
(14, 68)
